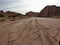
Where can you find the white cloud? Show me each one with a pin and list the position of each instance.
(24, 6)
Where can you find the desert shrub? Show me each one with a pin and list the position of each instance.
(56, 16)
(1, 15)
(8, 16)
(14, 16)
(2, 20)
(12, 20)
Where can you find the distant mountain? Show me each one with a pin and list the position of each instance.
(32, 14)
(50, 11)
(10, 13)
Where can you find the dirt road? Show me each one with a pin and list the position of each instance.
(32, 31)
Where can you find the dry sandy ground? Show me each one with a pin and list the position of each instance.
(32, 31)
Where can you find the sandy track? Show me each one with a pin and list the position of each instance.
(32, 31)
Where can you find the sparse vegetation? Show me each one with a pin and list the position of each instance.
(2, 20)
(56, 17)
(1, 15)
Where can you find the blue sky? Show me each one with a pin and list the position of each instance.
(23, 6)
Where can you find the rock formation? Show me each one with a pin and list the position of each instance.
(32, 14)
(10, 14)
(50, 11)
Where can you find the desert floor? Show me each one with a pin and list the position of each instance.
(32, 31)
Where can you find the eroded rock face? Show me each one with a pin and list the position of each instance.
(50, 11)
(33, 31)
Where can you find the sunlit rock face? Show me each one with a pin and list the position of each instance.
(50, 11)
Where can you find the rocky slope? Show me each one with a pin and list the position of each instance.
(50, 11)
(10, 13)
